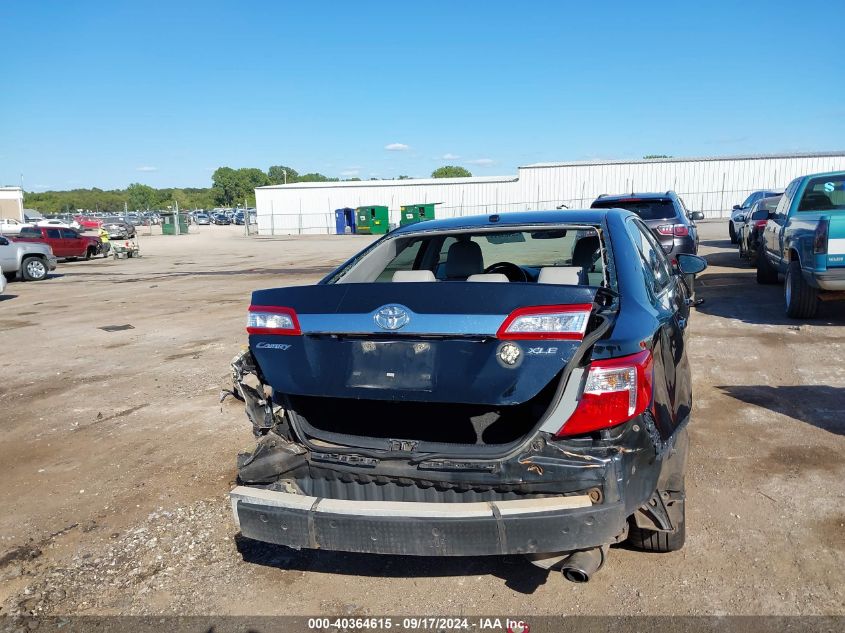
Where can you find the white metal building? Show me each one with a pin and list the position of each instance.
(712, 185)
(11, 203)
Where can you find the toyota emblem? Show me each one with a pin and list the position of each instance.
(392, 317)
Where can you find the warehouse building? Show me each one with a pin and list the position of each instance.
(712, 185)
(11, 203)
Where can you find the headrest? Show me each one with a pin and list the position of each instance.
(585, 250)
(406, 276)
(489, 277)
(560, 275)
(464, 259)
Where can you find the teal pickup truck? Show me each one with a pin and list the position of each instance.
(805, 242)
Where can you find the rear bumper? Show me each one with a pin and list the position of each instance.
(541, 525)
(833, 279)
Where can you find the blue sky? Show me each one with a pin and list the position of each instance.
(109, 93)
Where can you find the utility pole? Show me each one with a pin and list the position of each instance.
(284, 172)
(176, 228)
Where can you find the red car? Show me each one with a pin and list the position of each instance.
(88, 223)
(64, 242)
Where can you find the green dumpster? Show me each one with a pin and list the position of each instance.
(168, 224)
(371, 220)
(411, 213)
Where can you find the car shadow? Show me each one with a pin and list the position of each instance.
(817, 405)
(517, 572)
(5, 297)
(735, 294)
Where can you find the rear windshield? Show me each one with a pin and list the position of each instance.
(571, 255)
(766, 207)
(824, 193)
(651, 209)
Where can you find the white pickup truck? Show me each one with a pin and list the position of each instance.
(10, 226)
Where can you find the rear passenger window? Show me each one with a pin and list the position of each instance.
(404, 260)
(653, 262)
(54, 234)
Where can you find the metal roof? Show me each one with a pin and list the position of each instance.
(392, 183)
(585, 163)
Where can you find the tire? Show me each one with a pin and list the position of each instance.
(33, 269)
(766, 273)
(10, 276)
(661, 542)
(742, 253)
(802, 300)
(732, 232)
(89, 254)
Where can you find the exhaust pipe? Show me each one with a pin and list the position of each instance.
(581, 566)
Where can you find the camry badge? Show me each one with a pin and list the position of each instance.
(392, 317)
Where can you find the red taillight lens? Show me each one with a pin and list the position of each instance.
(562, 322)
(820, 237)
(272, 320)
(616, 390)
(678, 230)
(761, 224)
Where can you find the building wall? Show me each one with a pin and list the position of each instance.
(11, 203)
(711, 185)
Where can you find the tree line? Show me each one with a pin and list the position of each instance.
(229, 187)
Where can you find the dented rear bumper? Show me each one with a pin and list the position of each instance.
(551, 524)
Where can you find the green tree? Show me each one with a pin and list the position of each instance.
(233, 186)
(279, 174)
(450, 171)
(316, 177)
(141, 197)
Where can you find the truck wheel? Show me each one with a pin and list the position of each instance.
(766, 273)
(732, 232)
(802, 300)
(34, 269)
(661, 542)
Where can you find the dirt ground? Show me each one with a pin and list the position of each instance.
(116, 457)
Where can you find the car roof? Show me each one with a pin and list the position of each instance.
(568, 216)
(649, 195)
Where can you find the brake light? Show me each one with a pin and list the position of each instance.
(562, 322)
(272, 320)
(616, 390)
(820, 237)
(678, 230)
(761, 224)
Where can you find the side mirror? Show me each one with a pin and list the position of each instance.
(737, 207)
(691, 264)
(696, 216)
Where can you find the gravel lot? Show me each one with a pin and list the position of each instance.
(116, 457)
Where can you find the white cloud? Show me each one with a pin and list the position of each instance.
(450, 156)
(481, 162)
(397, 147)
(350, 172)
(146, 168)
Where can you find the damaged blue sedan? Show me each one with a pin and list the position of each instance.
(491, 385)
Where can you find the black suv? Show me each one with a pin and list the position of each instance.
(665, 214)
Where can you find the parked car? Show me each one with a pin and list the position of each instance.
(202, 218)
(740, 211)
(666, 216)
(118, 229)
(238, 218)
(87, 223)
(54, 222)
(751, 230)
(220, 218)
(64, 242)
(805, 242)
(11, 226)
(31, 260)
(475, 386)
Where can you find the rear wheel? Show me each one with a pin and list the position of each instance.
(766, 273)
(653, 541)
(732, 232)
(34, 269)
(802, 300)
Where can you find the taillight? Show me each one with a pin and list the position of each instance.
(547, 322)
(820, 237)
(678, 230)
(761, 224)
(616, 390)
(272, 320)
